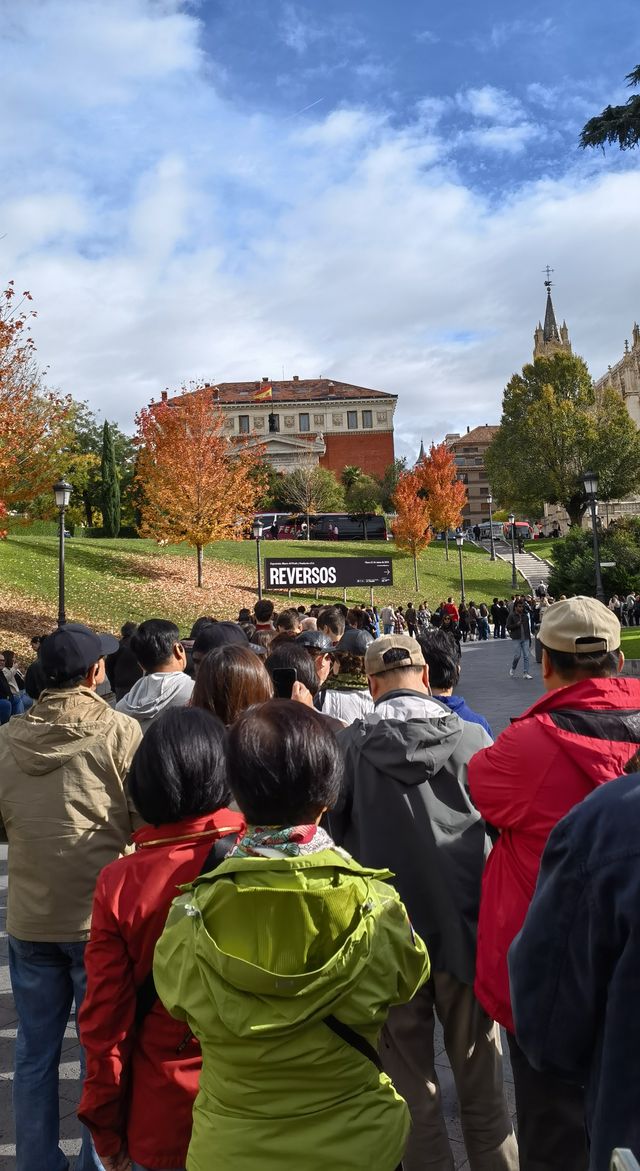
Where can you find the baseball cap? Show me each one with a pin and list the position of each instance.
(219, 634)
(375, 662)
(72, 649)
(315, 640)
(580, 626)
(353, 642)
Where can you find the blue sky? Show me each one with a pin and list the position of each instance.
(367, 190)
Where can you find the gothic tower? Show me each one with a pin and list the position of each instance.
(548, 339)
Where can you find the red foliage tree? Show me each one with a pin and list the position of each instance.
(440, 487)
(32, 420)
(411, 529)
(195, 485)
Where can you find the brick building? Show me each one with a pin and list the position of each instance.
(311, 420)
(469, 451)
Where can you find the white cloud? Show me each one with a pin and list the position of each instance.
(491, 104)
(168, 234)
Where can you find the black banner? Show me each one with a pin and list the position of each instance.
(309, 572)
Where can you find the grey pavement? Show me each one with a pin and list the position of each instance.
(486, 686)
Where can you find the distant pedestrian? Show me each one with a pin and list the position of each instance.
(411, 618)
(519, 628)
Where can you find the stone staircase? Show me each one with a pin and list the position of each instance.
(529, 566)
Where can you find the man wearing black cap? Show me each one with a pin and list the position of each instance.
(64, 804)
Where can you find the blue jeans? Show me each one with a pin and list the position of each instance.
(5, 711)
(388, 627)
(523, 649)
(46, 978)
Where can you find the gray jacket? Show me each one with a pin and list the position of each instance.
(154, 694)
(405, 807)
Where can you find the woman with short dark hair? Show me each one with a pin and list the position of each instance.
(230, 679)
(259, 956)
(143, 1067)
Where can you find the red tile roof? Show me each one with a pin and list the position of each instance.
(302, 390)
(483, 434)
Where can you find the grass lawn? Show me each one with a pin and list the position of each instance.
(631, 642)
(110, 581)
(543, 548)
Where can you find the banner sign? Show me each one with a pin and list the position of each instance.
(296, 573)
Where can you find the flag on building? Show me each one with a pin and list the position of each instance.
(261, 395)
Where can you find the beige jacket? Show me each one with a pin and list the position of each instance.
(65, 808)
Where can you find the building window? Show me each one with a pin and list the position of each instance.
(243, 424)
(367, 419)
(274, 423)
(303, 422)
(352, 420)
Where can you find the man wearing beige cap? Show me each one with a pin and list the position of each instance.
(581, 734)
(405, 808)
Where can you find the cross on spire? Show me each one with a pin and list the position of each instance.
(548, 283)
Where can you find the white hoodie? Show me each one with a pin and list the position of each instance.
(153, 694)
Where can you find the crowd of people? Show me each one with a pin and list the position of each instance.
(263, 859)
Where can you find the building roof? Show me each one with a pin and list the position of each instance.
(296, 390)
(483, 434)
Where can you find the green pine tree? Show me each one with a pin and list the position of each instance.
(110, 485)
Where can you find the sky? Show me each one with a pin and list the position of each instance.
(362, 189)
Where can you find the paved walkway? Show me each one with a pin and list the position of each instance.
(487, 687)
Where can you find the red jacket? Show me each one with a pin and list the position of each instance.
(451, 609)
(550, 758)
(139, 1090)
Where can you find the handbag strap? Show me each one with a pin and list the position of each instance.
(146, 992)
(356, 1040)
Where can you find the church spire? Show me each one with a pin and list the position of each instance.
(550, 327)
(422, 453)
(548, 339)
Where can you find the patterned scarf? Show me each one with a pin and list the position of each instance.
(273, 841)
(346, 683)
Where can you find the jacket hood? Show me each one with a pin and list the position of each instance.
(56, 728)
(152, 694)
(596, 720)
(406, 728)
(307, 926)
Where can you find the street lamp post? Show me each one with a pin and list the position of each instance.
(460, 543)
(62, 495)
(490, 502)
(590, 481)
(514, 575)
(257, 532)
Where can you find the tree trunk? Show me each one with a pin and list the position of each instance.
(415, 571)
(576, 508)
(446, 544)
(88, 509)
(308, 533)
(199, 553)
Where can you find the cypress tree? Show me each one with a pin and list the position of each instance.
(110, 485)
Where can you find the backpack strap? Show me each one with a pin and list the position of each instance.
(146, 992)
(354, 1039)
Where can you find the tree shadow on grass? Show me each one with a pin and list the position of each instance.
(117, 564)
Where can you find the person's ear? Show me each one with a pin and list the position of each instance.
(547, 669)
(425, 677)
(621, 661)
(374, 686)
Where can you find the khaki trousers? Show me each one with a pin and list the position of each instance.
(472, 1043)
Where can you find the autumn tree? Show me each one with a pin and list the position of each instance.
(554, 425)
(619, 124)
(195, 484)
(310, 489)
(440, 487)
(412, 528)
(389, 482)
(32, 419)
(363, 499)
